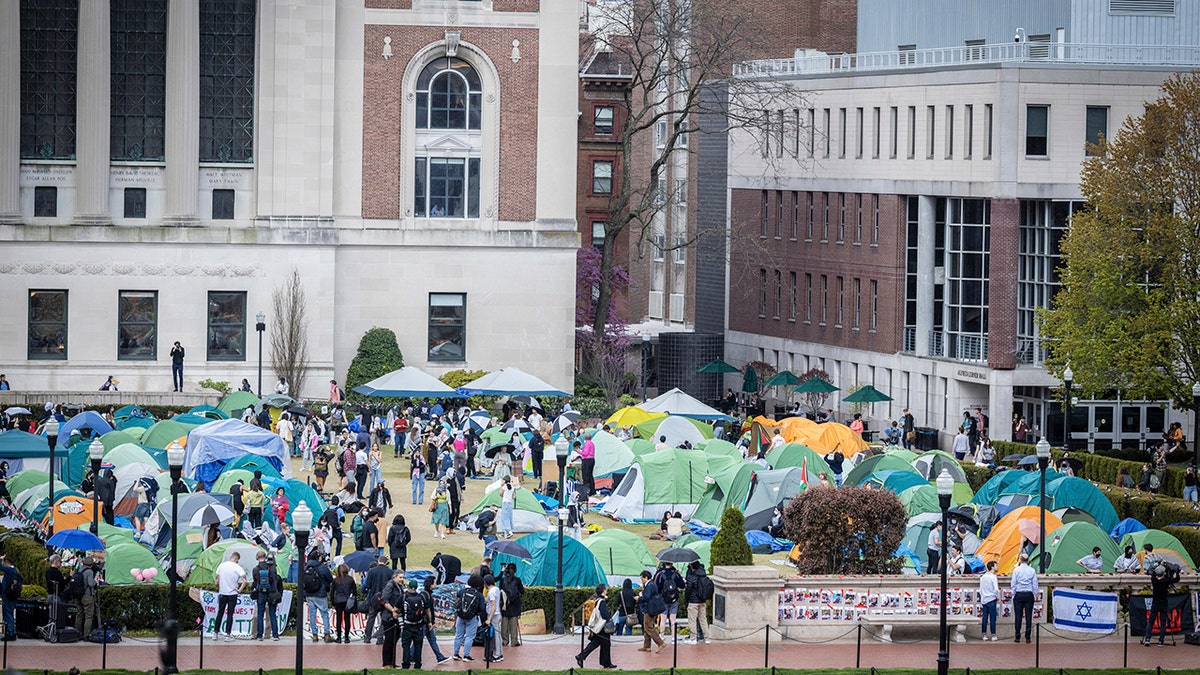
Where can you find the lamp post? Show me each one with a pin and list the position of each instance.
(1043, 455)
(945, 487)
(301, 524)
(51, 440)
(175, 456)
(261, 327)
(562, 450)
(1195, 426)
(1068, 378)
(96, 453)
(559, 628)
(645, 361)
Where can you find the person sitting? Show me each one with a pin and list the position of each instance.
(1092, 564)
(661, 532)
(775, 529)
(1128, 563)
(675, 526)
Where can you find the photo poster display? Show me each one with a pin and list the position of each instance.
(848, 604)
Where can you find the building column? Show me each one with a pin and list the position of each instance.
(1004, 251)
(10, 112)
(182, 148)
(92, 114)
(926, 245)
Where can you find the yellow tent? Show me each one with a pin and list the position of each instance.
(1004, 543)
(824, 438)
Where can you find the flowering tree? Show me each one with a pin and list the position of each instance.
(603, 353)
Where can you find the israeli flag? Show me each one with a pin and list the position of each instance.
(1085, 611)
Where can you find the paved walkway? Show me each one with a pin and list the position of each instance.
(549, 653)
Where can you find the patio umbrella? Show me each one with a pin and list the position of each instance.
(750, 380)
(509, 548)
(212, 514)
(563, 421)
(1016, 458)
(78, 540)
(512, 381)
(867, 394)
(815, 385)
(630, 416)
(678, 555)
(783, 378)
(407, 382)
(716, 366)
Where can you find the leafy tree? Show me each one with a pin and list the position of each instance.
(815, 400)
(378, 354)
(846, 530)
(1128, 315)
(289, 332)
(729, 546)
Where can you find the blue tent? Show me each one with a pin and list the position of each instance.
(212, 445)
(580, 567)
(896, 481)
(1127, 526)
(88, 423)
(253, 463)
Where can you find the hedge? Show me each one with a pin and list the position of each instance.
(29, 557)
(1099, 468)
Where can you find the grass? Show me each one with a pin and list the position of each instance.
(678, 671)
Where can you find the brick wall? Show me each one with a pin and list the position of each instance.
(515, 5)
(1002, 284)
(382, 123)
(388, 4)
(828, 25)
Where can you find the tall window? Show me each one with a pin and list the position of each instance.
(828, 131)
(47, 325)
(602, 177)
(858, 222)
(137, 325)
(825, 223)
(875, 136)
(987, 131)
(841, 293)
(227, 326)
(968, 242)
(779, 214)
(447, 326)
(598, 235)
(792, 283)
(227, 80)
(1097, 127)
(602, 120)
(842, 133)
(808, 297)
(762, 292)
(812, 131)
(857, 301)
(824, 299)
(139, 65)
(968, 131)
(1042, 226)
(949, 132)
(811, 217)
(766, 213)
(449, 186)
(858, 132)
(930, 127)
(875, 219)
(48, 64)
(795, 216)
(912, 131)
(895, 127)
(1037, 118)
(450, 97)
(778, 293)
(841, 216)
(874, 304)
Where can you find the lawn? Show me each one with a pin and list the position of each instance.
(677, 671)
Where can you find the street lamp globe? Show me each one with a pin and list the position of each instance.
(96, 451)
(175, 455)
(1043, 449)
(302, 518)
(945, 483)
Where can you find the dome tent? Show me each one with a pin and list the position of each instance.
(671, 479)
(213, 445)
(580, 567)
(621, 554)
(528, 514)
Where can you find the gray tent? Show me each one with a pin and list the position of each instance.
(770, 489)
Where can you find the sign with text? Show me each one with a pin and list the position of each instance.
(243, 613)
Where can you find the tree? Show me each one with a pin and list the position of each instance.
(815, 400)
(846, 530)
(729, 546)
(378, 354)
(289, 332)
(605, 358)
(1128, 316)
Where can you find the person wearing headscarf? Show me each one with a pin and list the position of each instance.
(440, 507)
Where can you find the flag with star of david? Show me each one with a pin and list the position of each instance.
(1085, 611)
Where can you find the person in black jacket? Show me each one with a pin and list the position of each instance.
(267, 590)
(398, 538)
(1161, 580)
(454, 496)
(652, 607)
(340, 593)
(510, 614)
(597, 638)
(446, 567)
(626, 607)
(392, 602)
(373, 584)
(699, 589)
(106, 492)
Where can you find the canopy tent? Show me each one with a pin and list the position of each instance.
(1067, 544)
(612, 456)
(528, 514)
(407, 382)
(1003, 544)
(665, 480)
(163, 433)
(676, 402)
(772, 488)
(621, 554)
(1082, 494)
(88, 424)
(121, 558)
(234, 403)
(23, 450)
(725, 489)
(676, 429)
(877, 463)
(630, 416)
(213, 445)
(209, 411)
(1162, 542)
(580, 567)
(511, 382)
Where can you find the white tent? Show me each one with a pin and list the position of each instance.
(676, 402)
(511, 382)
(408, 381)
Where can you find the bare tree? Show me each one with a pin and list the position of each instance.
(289, 332)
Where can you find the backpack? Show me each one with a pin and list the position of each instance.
(706, 588)
(15, 586)
(74, 589)
(1154, 481)
(414, 608)
(312, 580)
(263, 575)
(668, 588)
(468, 604)
(399, 537)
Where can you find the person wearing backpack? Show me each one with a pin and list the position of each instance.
(416, 616)
(669, 582)
(430, 636)
(332, 519)
(598, 636)
(651, 605)
(398, 538)
(391, 601)
(469, 605)
(699, 590)
(10, 592)
(373, 583)
(510, 614)
(267, 591)
(317, 580)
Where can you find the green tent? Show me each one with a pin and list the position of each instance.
(726, 489)
(685, 540)
(190, 543)
(921, 499)
(612, 456)
(672, 479)
(135, 426)
(114, 438)
(123, 557)
(1071, 491)
(162, 433)
(111, 535)
(790, 455)
(252, 463)
(772, 488)
(230, 476)
(528, 514)
(23, 480)
(233, 404)
(1163, 542)
(1072, 541)
(190, 418)
(640, 446)
(718, 447)
(931, 463)
(209, 411)
(703, 548)
(204, 568)
(620, 553)
(137, 431)
(128, 453)
(580, 567)
(875, 464)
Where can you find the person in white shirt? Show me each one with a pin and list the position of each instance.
(777, 440)
(1128, 563)
(231, 579)
(962, 445)
(492, 603)
(1092, 564)
(957, 564)
(989, 595)
(282, 387)
(1024, 586)
(286, 431)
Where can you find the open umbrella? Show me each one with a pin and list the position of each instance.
(16, 410)
(527, 400)
(495, 449)
(750, 380)
(212, 514)
(678, 555)
(300, 412)
(1029, 460)
(278, 401)
(509, 548)
(564, 420)
(1015, 458)
(716, 366)
(783, 378)
(516, 425)
(815, 385)
(867, 394)
(77, 540)
(479, 419)
(360, 561)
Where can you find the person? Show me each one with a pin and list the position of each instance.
(280, 506)
(141, 512)
(587, 458)
(332, 521)
(777, 440)
(441, 511)
(1128, 563)
(1149, 481)
(836, 460)
(856, 424)
(1189, 484)
(933, 547)
(177, 367)
(675, 526)
(418, 476)
(340, 592)
(281, 387)
(1092, 564)
(698, 589)
(986, 454)
(562, 451)
(823, 478)
(957, 564)
(989, 596)
(110, 384)
(415, 616)
(446, 567)
(1123, 478)
(392, 601)
(1020, 429)
(286, 429)
(962, 444)
(245, 385)
(430, 636)
(55, 581)
(652, 607)
(469, 607)
(510, 613)
(317, 582)
(669, 584)
(775, 528)
(493, 649)
(231, 579)
(361, 470)
(85, 606)
(537, 447)
(255, 499)
(398, 538)
(373, 583)
(1161, 580)
(893, 433)
(1024, 587)
(267, 591)
(9, 604)
(3, 383)
(239, 506)
(454, 490)
(909, 424)
(106, 492)
(335, 392)
(626, 617)
(597, 637)
(320, 466)
(507, 495)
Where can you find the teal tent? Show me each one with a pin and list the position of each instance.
(211, 412)
(580, 567)
(1071, 491)
(789, 455)
(895, 480)
(876, 463)
(298, 492)
(251, 463)
(990, 491)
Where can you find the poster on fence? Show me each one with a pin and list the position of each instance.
(243, 613)
(1180, 618)
(848, 604)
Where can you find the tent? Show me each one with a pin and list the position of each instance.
(162, 433)
(791, 455)
(676, 402)
(72, 511)
(825, 437)
(580, 567)
(989, 492)
(1067, 544)
(1125, 527)
(23, 450)
(298, 491)
(228, 477)
(727, 488)
(234, 403)
(671, 480)
(703, 549)
(677, 430)
(630, 416)
(114, 438)
(877, 463)
(915, 543)
(1082, 494)
(612, 456)
(1163, 542)
(211, 412)
(253, 463)
(127, 475)
(213, 445)
(714, 447)
(621, 554)
(640, 446)
(204, 569)
(511, 382)
(135, 426)
(528, 514)
(920, 499)
(931, 463)
(123, 557)
(1003, 544)
(20, 481)
(407, 382)
(895, 480)
(769, 489)
(190, 418)
(88, 424)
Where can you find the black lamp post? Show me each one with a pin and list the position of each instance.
(1195, 426)
(645, 361)
(945, 488)
(1043, 455)
(96, 453)
(261, 327)
(51, 440)
(559, 628)
(301, 524)
(1068, 377)
(170, 629)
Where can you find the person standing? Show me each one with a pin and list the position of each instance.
(370, 533)
(8, 598)
(1189, 484)
(267, 591)
(493, 649)
(373, 583)
(335, 392)
(933, 548)
(699, 590)
(507, 495)
(1161, 579)
(255, 499)
(962, 443)
(1092, 564)
(375, 465)
(469, 606)
(177, 367)
(989, 596)
(430, 636)
(392, 601)
(361, 469)
(416, 622)
(106, 492)
(836, 461)
(669, 584)
(587, 459)
(317, 581)
(340, 593)
(597, 637)
(231, 579)
(1024, 586)
(561, 452)
(287, 432)
(510, 615)
(537, 450)
(454, 490)
(440, 508)
(418, 476)
(85, 609)
(380, 498)
(652, 607)
(398, 538)
(909, 426)
(626, 608)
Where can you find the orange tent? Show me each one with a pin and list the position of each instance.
(70, 512)
(824, 438)
(1004, 543)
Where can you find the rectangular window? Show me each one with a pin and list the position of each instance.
(1097, 128)
(875, 219)
(975, 49)
(779, 135)
(968, 131)
(420, 172)
(778, 294)
(825, 223)
(447, 326)
(895, 126)
(447, 186)
(811, 216)
(762, 292)
(766, 133)
(808, 299)
(812, 131)
(859, 131)
(876, 141)
(222, 204)
(912, 131)
(779, 214)
(137, 325)
(681, 191)
(680, 250)
(660, 133)
(660, 191)
(602, 177)
(828, 131)
(1037, 119)
(660, 243)
(842, 133)
(930, 128)
(841, 291)
(766, 214)
(792, 283)
(796, 122)
(681, 139)
(874, 304)
(795, 216)
(949, 132)
(907, 54)
(857, 301)
(138, 45)
(226, 325)
(227, 61)
(858, 219)
(987, 131)
(135, 202)
(824, 299)
(602, 120)
(47, 325)
(598, 235)
(841, 216)
(45, 202)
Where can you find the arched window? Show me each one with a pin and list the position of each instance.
(446, 168)
(449, 95)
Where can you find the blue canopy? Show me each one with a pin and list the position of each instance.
(89, 424)
(211, 446)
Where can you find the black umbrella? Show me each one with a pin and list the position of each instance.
(678, 555)
(300, 412)
(527, 400)
(360, 561)
(517, 425)
(1016, 458)
(494, 450)
(1029, 460)
(509, 548)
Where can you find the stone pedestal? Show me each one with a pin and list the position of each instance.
(746, 599)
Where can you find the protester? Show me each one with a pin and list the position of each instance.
(231, 579)
(392, 601)
(416, 616)
(317, 580)
(430, 636)
(373, 583)
(507, 495)
(699, 590)
(1024, 587)
(280, 506)
(669, 584)
(510, 614)
(626, 609)
(652, 608)
(493, 650)
(933, 547)
(470, 605)
(8, 603)
(398, 538)
(340, 595)
(598, 637)
(989, 595)
(1092, 564)
(1161, 580)
(418, 476)
(441, 511)
(267, 591)
(1128, 563)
